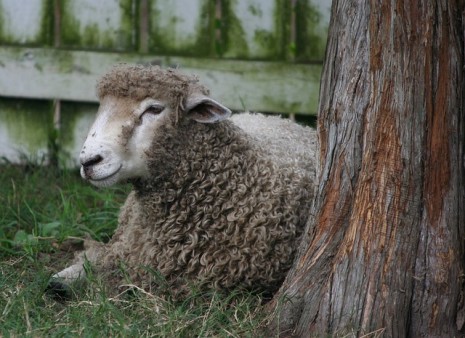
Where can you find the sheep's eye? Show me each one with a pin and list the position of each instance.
(154, 110)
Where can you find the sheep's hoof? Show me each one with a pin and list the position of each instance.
(58, 290)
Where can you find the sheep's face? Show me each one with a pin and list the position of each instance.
(115, 148)
(118, 142)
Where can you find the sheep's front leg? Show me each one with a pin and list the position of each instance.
(72, 273)
(61, 284)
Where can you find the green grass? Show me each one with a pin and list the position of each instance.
(44, 213)
(44, 202)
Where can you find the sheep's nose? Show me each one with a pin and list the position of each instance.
(87, 163)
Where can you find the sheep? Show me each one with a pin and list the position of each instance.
(219, 202)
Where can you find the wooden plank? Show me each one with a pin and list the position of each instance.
(240, 85)
(25, 22)
(182, 27)
(103, 24)
(311, 29)
(76, 119)
(255, 29)
(25, 127)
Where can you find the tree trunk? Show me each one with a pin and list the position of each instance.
(384, 253)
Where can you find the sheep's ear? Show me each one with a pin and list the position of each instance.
(206, 110)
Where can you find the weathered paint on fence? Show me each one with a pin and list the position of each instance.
(254, 29)
(180, 27)
(311, 29)
(25, 22)
(24, 129)
(72, 75)
(102, 24)
(245, 50)
(75, 123)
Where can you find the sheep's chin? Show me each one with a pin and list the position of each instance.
(105, 181)
(108, 182)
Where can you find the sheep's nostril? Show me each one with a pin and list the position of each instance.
(92, 161)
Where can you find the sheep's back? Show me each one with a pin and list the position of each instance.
(288, 143)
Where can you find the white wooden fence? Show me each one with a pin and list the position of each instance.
(260, 55)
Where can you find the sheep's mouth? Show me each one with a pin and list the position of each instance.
(100, 179)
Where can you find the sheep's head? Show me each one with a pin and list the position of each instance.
(135, 103)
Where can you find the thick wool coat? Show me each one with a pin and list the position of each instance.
(224, 204)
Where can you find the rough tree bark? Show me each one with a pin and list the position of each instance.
(384, 252)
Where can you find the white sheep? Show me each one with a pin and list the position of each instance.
(216, 202)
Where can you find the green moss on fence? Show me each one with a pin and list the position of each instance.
(233, 40)
(76, 119)
(269, 44)
(43, 35)
(162, 40)
(93, 37)
(29, 123)
(46, 30)
(310, 34)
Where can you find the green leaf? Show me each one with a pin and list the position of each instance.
(49, 229)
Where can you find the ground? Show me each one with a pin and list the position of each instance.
(44, 215)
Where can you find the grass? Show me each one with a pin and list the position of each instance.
(44, 213)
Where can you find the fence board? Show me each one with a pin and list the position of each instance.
(182, 27)
(71, 75)
(255, 29)
(76, 119)
(102, 24)
(311, 27)
(24, 129)
(25, 22)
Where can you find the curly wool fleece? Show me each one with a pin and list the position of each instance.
(139, 82)
(223, 208)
